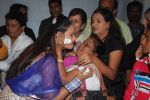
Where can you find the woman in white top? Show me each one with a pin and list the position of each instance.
(79, 18)
(16, 41)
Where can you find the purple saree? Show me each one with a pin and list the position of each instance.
(41, 79)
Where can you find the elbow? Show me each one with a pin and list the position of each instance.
(113, 74)
(112, 77)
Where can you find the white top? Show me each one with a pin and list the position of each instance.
(92, 83)
(14, 50)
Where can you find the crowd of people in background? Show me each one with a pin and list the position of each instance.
(75, 57)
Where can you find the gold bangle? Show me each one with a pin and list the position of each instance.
(60, 60)
(59, 57)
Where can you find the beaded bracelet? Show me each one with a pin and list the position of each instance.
(73, 85)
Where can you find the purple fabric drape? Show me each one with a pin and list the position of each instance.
(41, 79)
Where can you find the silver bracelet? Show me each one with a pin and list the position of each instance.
(73, 85)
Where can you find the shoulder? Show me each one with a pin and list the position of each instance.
(28, 29)
(26, 38)
(3, 27)
(114, 43)
(45, 57)
(62, 16)
(124, 27)
(121, 22)
(46, 20)
(24, 41)
(5, 38)
(50, 60)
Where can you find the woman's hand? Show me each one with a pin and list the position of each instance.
(59, 43)
(83, 74)
(84, 59)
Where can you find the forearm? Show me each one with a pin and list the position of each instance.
(104, 69)
(62, 94)
(69, 88)
(65, 76)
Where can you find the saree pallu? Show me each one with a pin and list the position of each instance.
(41, 79)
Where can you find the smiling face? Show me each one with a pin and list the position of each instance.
(99, 25)
(14, 28)
(77, 22)
(70, 35)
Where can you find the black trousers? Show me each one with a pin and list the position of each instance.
(91, 95)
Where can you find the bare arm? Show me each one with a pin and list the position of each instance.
(65, 76)
(109, 70)
(62, 94)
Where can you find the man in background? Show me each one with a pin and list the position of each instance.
(111, 5)
(55, 8)
(134, 13)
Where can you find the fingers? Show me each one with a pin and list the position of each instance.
(59, 42)
(84, 59)
(84, 73)
(89, 72)
(81, 71)
(59, 38)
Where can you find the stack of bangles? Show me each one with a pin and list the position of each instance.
(73, 85)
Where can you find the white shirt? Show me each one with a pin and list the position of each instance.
(14, 50)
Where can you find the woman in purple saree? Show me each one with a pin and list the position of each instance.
(39, 72)
(34, 81)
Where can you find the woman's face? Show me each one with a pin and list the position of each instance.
(14, 28)
(99, 25)
(77, 22)
(87, 46)
(70, 35)
(146, 19)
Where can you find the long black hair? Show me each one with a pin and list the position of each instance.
(42, 44)
(114, 28)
